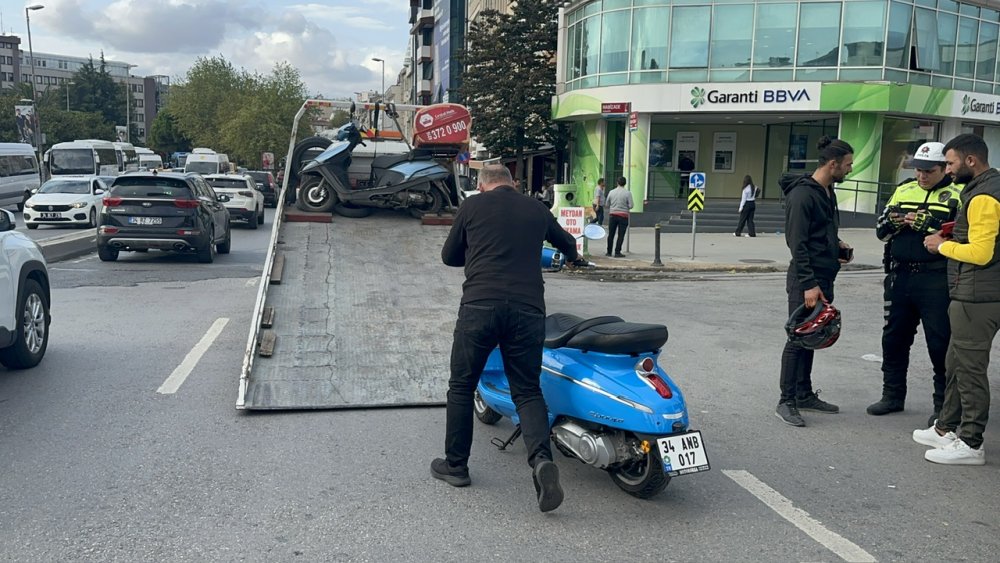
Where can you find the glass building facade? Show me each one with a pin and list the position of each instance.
(940, 43)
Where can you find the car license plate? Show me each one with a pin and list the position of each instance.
(145, 220)
(683, 453)
(51, 215)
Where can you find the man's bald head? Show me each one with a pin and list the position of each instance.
(493, 176)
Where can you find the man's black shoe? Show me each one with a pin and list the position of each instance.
(451, 475)
(813, 403)
(885, 406)
(550, 493)
(607, 254)
(619, 255)
(789, 414)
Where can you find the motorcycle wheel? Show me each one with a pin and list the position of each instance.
(314, 195)
(434, 203)
(485, 414)
(351, 210)
(642, 479)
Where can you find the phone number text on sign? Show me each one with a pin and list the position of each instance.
(445, 131)
(573, 220)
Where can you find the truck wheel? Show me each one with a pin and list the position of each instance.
(642, 479)
(107, 254)
(32, 336)
(315, 195)
(485, 414)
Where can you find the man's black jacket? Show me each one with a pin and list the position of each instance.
(811, 224)
(497, 235)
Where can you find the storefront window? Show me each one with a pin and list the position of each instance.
(687, 49)
(898, 39)
(965, 53)
(986, 61)
(864, 33)
(732, 36)
(774, 39)
(819, 34)
(650, 38)
(926, 40)
(900, 140)
(947, 39)
(614, 45)
(590, 45)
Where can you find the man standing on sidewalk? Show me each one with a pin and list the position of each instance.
(811, 224)
(974, 284)
(916, 282)
(599, 201)
(619, 205)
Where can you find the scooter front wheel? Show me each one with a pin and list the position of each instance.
(485, 414)
(315, 195)
(642, 478)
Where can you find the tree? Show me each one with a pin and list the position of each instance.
(339, 117)
(165, 137)
(94, 90)
(509, 79)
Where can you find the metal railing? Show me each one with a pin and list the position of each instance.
(859, 196)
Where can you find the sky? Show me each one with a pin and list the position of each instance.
(330, 42)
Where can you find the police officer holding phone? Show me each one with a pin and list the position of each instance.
(916, 282)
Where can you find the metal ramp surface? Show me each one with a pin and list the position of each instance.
(364, 316)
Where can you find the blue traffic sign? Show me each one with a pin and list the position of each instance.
(697, 180)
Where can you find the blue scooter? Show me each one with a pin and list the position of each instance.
(610, 404)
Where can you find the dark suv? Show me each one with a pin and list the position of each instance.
(165, 211)
(266, 185)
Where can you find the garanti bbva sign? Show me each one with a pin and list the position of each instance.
(972, 105)
(761, 96)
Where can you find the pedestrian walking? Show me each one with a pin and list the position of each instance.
(497, 236)
(748, 205)
(974, 286)
(620, 203)
(599, 200)
(812, 221)
(916, 281)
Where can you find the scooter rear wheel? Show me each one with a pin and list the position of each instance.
(433, 203)
(643, 479)
(485, 414)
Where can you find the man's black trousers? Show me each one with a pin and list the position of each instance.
(912, 298)
(797, 362)
(616, 224)
(518, 329)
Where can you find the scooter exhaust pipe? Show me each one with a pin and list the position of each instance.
(591, 448)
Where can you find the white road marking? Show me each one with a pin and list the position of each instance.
(252, 282)
(176, 379)
(84, 259)
(842, 547)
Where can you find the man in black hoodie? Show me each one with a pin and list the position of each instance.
(811, 224)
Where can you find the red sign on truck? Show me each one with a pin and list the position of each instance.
(442, 124)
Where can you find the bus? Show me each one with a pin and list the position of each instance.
(127, 157)
(88, 156)
(18, 173)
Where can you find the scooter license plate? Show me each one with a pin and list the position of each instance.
(683, 453)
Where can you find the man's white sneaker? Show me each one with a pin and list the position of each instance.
(930, 437)
(957, 453)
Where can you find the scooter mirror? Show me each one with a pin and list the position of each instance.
(594, 231)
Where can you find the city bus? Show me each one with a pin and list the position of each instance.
(88, 156)
(127, 157)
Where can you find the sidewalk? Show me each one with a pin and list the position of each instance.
(766, 252)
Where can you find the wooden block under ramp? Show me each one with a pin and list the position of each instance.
(267, 318)
(277, 268)
(432, 219)
(295, 215)
(268, 339)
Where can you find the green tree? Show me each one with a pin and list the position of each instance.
(509, 79)
(94, 90)
(339, 117)
(164, 136)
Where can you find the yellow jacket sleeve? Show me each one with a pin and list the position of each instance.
(984, 224)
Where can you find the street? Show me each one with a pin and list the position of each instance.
(98, 465)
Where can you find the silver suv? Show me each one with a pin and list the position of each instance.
(24, 298)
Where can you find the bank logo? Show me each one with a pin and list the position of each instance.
(697, 96)
(966, 102)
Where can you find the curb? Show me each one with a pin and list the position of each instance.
(64, 247)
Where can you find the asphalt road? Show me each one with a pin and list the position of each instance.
(96, 465)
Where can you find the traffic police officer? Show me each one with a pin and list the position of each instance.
(916, 284)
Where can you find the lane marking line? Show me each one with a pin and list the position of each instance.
(801, 519)
(252, 282)
(176, 379)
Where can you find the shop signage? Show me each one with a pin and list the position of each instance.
(729, 97)
(616, 108)
(973, 105)
(573, 220)
(633, 121)
(442, 124)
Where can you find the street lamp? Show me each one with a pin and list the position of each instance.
(68, 84)
(128, 103)
(34, 96)
(381, 96)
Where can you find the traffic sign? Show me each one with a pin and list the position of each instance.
(697, 180)
(696, 201)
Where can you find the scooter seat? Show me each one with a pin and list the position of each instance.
(620, 338)
(561, 327)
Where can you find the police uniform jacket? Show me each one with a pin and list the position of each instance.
(905, 242)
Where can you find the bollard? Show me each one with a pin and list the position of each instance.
(656, 245)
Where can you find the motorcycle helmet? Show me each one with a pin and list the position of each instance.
(815, 331)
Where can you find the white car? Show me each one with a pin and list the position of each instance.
(246, 202)
(24, 297)
(66, 200)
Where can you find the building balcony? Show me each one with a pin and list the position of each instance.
(425, 54)
(424, 87)
(422, 18)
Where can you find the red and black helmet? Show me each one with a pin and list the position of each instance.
(815, 331)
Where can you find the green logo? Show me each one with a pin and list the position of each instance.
(697, 96)
(966, 102)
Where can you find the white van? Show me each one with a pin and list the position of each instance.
(18, 173)
(148, 159)
(206, 162)
(127, 157)
(87, 157)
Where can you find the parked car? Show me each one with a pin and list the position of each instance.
(267, 186)
(164, 211)
(66, 200)
(246, 203)
(25, 297)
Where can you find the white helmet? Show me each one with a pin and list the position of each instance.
(928, 155)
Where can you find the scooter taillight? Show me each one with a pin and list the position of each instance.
(661, 386)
